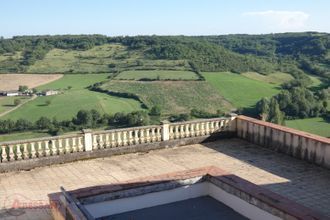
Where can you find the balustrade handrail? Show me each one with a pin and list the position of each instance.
(126, 129)
(199, 120)
(41, 139)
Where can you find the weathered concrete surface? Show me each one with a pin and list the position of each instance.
(298, 180)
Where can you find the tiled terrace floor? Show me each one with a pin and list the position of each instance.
(300, 181)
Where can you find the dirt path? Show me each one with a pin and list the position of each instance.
(16, 107)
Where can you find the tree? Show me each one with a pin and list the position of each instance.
(85, 118)
(275, 114)
(138, 118)
(43, 123)
(155, 111)
(22, 88)
(48, 102)
(17, 102)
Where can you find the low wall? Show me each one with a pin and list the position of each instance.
(28, 154)
(302, 145)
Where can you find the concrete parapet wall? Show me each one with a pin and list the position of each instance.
(302, 145)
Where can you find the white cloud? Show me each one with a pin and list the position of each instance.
(286, 20)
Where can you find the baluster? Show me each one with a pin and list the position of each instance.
(3, 154)
(39, 150)
(80, 145)
(124, 138)
(33, 150)
(101, 142)
(198, 131)
(21, 150)
(192, 130)
(187, 130)
(142, 136)
(130, 137)
(113, 139)
(18, 152)
(107, 140)
(25, 151)
(216, 126)
(147, 139)
(74, 145)
(212, 126)
(202, 128)
(171, 131)
(66, 146)
(176, 132)
(221, 127)
(55, 151)
(207, 128)
(119, 139)
(47, 150)
(159, 134)
(95, 141)
(136, 136)
(182, 133)
(60, 148)
(153, 135)
(11, 153)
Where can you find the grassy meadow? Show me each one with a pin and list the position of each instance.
(312, 125)
(100, 59)
(240, 90)
(173, 96)
(157, 74)
(66, 104)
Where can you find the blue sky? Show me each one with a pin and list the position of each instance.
(162, 17)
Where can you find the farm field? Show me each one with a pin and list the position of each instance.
(12, 81)
(157, 74)
(274, 78)
(74, 97)
(7, 103)
(173, 97)
(313, 125)
(239, 90)
(100, 59)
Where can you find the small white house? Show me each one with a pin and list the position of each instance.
(50, 92)
(10, 93)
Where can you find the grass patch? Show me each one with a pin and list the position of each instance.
(273, 78)
(157, 74)
(104, 58)
(7, 103)
(66, 105)
(240, 90)
(22, 136)
(173, 97)
(312, 125)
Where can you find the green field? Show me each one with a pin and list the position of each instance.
(157, 74)
(100, 59)
(240, 90)
(65, 105)
(312, 125)
(173, 96)
(22, 136)
(274, 78)
(7, 103)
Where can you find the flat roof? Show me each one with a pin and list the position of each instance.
(298, 180)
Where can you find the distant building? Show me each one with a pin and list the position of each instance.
(10, 93)
(50, 92)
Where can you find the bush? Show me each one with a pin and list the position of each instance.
(17, 102)
(155, 111)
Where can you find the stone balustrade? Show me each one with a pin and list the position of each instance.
(198, 128)
(90, 140)
(41, 147)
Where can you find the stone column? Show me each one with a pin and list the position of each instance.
(233, 122)
(165, 131)
(88, 140)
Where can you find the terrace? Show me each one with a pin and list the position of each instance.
(294, 165)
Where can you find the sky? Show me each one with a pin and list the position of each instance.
(162, 17)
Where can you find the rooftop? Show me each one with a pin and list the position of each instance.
(298, 180)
